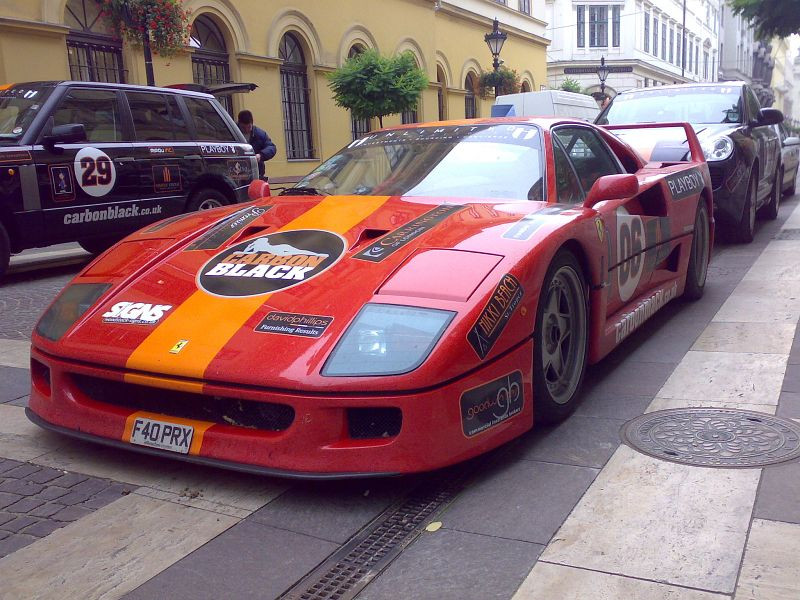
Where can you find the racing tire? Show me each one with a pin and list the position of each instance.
(560, 340)
(5, 250)
(97, 245)
(744, 231)
(770, 210)
(700, 254)
(206, 199)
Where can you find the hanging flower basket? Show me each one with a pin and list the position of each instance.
(504, 79)
(166, 22)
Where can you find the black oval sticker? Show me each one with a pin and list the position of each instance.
(270, 263)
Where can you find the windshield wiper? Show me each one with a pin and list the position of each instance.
(303, 191)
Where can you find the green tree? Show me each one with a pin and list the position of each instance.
(571, 85)
(771, 18)
(371, 85)
(504, 80)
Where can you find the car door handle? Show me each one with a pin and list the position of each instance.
(193, 156)
(124, 159)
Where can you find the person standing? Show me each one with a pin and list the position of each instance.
(262, 144)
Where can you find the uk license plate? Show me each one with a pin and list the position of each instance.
(162, 435)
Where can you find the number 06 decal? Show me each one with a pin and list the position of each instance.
(94, 172)
(630, 243)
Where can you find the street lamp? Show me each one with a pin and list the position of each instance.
(602, 72)
(495, 41)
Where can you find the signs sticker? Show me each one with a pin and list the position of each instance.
(312, 326)
(136, 313)
(94, 171)
(394, 240)
(270, 263)
(495, 315)
(492, 403)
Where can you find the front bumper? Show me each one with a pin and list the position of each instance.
(729, 179)
(317, 444)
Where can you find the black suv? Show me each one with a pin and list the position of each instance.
(92, 162)
(742, 149)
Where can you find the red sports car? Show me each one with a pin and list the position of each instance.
(428, 293)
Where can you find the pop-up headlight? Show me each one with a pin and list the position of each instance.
(68, 308)
(386, 339)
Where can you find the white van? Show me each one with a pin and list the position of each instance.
(547, 103)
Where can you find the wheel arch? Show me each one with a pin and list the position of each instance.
(209, 180)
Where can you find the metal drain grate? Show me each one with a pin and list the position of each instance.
(787, 234)
(346, 572)
(714, 437)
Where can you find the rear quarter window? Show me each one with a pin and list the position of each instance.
(208, 123)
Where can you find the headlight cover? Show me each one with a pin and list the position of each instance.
(717, 149)
(387, 339)
(68, 308)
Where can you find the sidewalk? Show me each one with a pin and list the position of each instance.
(652, 529)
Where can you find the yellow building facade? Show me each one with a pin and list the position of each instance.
(287, 48)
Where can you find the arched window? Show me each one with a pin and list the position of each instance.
(294, 96)
(358, 127)
(411, 116)
(440, 79)
(210, 60)
(470, 105)
(525, 87)
(93, 54)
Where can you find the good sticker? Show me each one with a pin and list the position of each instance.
(492, 403)
(270, 263)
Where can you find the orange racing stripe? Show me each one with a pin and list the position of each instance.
(208, 322)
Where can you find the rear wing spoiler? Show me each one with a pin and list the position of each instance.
(695, 150)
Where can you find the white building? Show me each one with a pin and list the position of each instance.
(736, 46)
(643, 42)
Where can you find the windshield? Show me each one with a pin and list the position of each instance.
(466, 161)
(707, 104)
(18, 107)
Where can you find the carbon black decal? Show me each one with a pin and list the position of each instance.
(221, 233)
(523, 229)
(495, 315)
(270, 263)
(492, 403)
(394, 240)
(312, 326)
(684, 184)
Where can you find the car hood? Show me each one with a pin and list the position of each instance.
(219, 295)
(670, 144)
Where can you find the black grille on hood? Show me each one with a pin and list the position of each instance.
(251, 414)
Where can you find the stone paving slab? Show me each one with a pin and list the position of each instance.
(15, 383)
(249, 560)
(109, 552)
(447, 565)
(778, 496)
(662, 521)
(771, 563)
(35, 501)
(558, 582)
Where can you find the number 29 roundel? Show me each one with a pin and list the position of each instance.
(94, 171)
(630, 246)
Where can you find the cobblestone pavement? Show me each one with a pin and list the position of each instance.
(36, 500)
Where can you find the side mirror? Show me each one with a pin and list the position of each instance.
(770, 116)
(792, 141)
(258, 189)
(612, 187)
(70, 133)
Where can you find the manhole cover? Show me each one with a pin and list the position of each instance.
(714, 437)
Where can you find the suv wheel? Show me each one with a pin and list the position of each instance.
(206, 199)
(5, 250)
(744, 231)
(770, 210)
